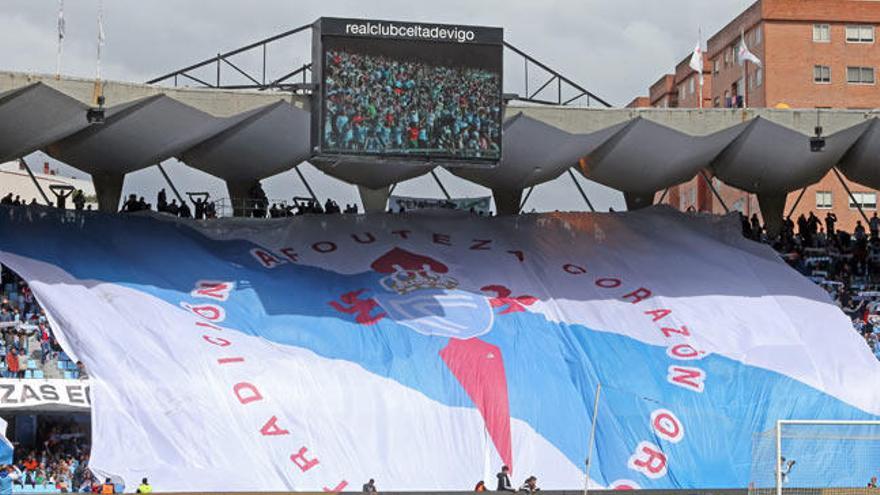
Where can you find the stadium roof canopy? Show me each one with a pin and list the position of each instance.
(634, 152)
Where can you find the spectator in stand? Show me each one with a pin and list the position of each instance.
(480, 487)
(873, 482)
(79, 200)
(530, 485)
(504, 484)
(108, 487)
(161, 201)
(81, 370)
(12, 368)
(370, 487)
(145, 487)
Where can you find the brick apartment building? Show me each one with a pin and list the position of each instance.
(815, 54)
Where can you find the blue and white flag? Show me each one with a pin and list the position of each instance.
(426, 350)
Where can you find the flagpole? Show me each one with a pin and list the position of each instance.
(98, 92)
(60, 39)
(592, 438)
(702, 60)
(744, 71)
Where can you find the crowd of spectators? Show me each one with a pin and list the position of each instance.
(59, 461)
(383, 105)
(28, 346)
(846, 265)
(202, 207)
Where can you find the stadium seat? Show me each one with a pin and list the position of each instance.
(32, 365)
(68, 375)
(39, 374)
(29, 374)
(61, 365)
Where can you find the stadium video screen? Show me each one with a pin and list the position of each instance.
(410, 90)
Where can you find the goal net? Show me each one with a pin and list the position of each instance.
(816, 457)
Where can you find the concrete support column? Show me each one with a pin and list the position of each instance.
(374, 200)
(108, 188)
(239, 194)
(637, 201)
(506, 201)
(773, 212)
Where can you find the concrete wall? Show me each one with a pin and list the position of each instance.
(219, 103)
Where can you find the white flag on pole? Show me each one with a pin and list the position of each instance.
(60, 20)
(697, 61)
(744, 53)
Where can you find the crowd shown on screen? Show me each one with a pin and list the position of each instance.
(378, 104)
(846, 265)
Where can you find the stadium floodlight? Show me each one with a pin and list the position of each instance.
(803, 455)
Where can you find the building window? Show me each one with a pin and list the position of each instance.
(759, 76)
(824, 200)
(691, 85)
(867, 200)
(822, 33)
(821, 74)
(716, 102)
(862, 33)
(860, 75)
(758, 35)
(859, 33)
(716, 66)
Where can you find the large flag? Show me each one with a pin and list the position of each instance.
(426, 350)
(744, 54)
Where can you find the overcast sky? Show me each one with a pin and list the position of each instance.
(614, 48)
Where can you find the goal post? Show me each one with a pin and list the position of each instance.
(816, 457)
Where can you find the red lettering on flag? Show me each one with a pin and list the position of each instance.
(638, 295)
(519, 254)
(687, 377)
(441, 239)
(209, 312)
(481, 245)
(574, 269)
(219, 291)
(267, 259)
(649, 460)
(290, 254)
(231, 360)
(369, 240)
(608, 283)
(341, 486)
(324, 247)
(218, 341)
(683, 331)
(271, 428)
(667, 425)
(246, 392)
(684, 352)
(303, 463)
(658, 314)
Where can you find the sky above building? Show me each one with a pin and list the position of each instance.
(614, 48)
